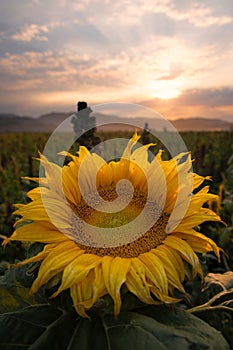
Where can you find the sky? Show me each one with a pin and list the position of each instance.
(174, 56)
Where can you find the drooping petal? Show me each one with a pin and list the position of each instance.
(89, 290)
(115, 271)
(186, 252)
(77, 270)
(155, 271)
(170, 269)
(40, 256)
(76, 297)
(197, 218)
(61, 256)
(99, 288)
(136, 282)
(198, 242)
(175, 259)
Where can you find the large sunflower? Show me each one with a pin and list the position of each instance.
(151, 264)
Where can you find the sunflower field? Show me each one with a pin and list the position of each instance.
(166, 289)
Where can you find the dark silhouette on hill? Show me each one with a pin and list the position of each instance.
(84, 125)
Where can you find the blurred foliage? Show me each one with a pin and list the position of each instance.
(223, 234)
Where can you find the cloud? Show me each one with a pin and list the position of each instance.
(197, 14)
(32, 32)
(117, 49)
(63, 70)
(214, 97)
(208, 103)
(137, 71)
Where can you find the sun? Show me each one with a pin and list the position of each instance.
(164, 89)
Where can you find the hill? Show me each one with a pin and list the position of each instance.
(48, 122)
(202, 124)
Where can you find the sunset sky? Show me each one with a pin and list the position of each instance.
(175, 56)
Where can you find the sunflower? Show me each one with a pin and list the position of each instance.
(91, 242)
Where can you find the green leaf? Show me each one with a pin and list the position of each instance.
(14, 291)
(31, 327)
(179, 326)
(219, 317)
(44, 327)
(133, 331)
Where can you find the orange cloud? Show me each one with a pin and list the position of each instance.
(31, 32)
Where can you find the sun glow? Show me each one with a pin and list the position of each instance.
(164, 89)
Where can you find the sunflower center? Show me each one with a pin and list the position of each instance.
(98, 218)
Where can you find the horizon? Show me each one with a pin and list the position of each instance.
(159, 117)
(173, 56)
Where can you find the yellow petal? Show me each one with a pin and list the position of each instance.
(40, 256)
(89, 169)
(155, 271)
(53, 175)
(70, 184)
(170, 269)
(104, 176)
(136, 282)
(85, 290)
(198, 180)
(90, 289)
(62, 255)
(77, 270)
(185, 250)
(42, 232)
(197, 218)
(175, 259)
(198, 199)
(99, 288)
(132, 142)
(115, 271)
(140, 157)
(75, 295)
(50, 209)
(198, 242)
(41, 180)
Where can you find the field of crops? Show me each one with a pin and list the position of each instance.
(211, 153)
